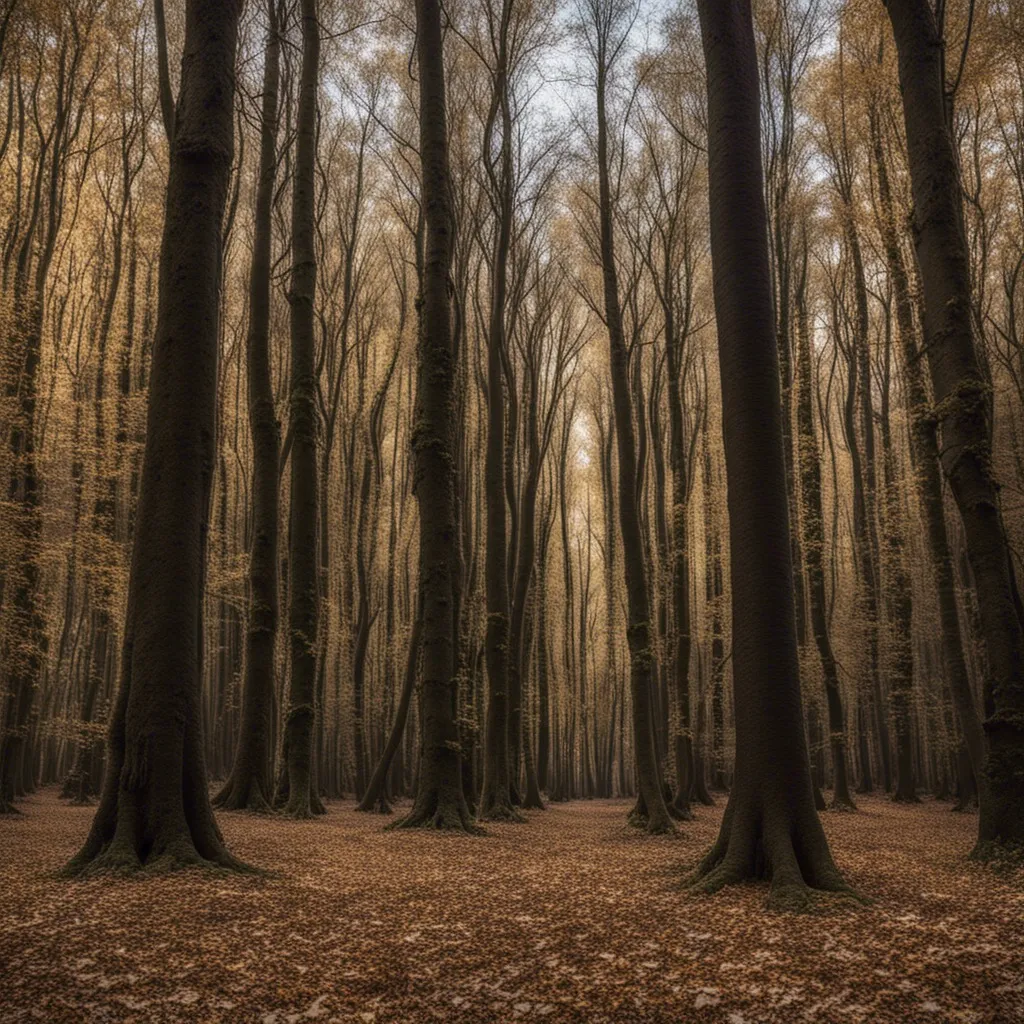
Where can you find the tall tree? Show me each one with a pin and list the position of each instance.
(770, 828)
(812, 525)
(249, 785)
(496, 800)
(155, 808)
(297, 792)
(440, 801)
(962, 409)
(606, 27)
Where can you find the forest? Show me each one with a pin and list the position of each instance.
(512, 509)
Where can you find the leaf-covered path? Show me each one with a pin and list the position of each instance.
(572, 917)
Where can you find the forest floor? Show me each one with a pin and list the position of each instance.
(571, 917)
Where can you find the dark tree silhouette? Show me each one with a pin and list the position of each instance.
(250, 783)
(496, 799)
(961, 408)
(770, 828)
(297, 792)
(155, 809)
(440, 802)
(606, 27)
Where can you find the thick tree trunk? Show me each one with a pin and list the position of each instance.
(440, 802)
(155, 809)
(770, 828)
(298, 792)
(962, 409)
(249, 786)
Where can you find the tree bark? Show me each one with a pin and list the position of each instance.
(496, 799)
(651, 810)
(297, 793)
(770, 828)
(440, 802)
(962, 410)
(813, 527)
(155, 810)
(249, 786)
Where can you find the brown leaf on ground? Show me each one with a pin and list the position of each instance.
(571, 917)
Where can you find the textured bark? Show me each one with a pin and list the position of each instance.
(496, 799)
(155, 809)
(297, 792)
(440, 802)
(681, 454)
(813, 528)
(900, 602)
(962, 409)
(770, 828)
(652, 810)
(928, 471)
(376, 797)
(865, 512)
(250, 784)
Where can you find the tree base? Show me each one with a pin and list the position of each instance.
(302, 806)
(794, 859)
(244, 795)
(533, 802)
(502, 810)
(905, 798)
(844, 804)
(999, 857)
(441, 811)
(380, 805)
(658, 825)
(122, 857)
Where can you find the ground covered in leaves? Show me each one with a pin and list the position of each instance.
(571, 917)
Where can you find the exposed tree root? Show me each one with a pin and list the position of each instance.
(243, 796)
(303, 805)
(795, 861)
(658, 826)
(843, 806)
(121, 858)
(440, 810)
(502, 810)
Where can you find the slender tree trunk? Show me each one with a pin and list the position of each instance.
(813, 524)
(496, 799)
(298, 793)
(440, 802)
(651, 810)
(250, 784)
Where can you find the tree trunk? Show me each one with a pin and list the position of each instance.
(155, 810)
(812, 522)
(249, 786)
(962, 409)
(496, 799)
(297, 793)
(440, 802)
(375, 797)
(651, 810)
(770, 828)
